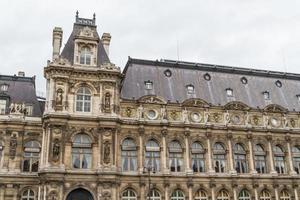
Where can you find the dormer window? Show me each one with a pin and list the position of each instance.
(4, 87)
(148, 85)
(190, 89)
(266, 95)
(85, 56)
(229, 92)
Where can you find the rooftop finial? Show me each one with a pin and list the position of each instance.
(94, 18)
(77, 15)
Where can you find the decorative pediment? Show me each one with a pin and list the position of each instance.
(152, 99)
(195, 103)
(275, 108)
(236, 105)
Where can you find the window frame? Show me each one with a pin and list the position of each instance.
(31, 156)
(152, 155)
(219, 157)
(86, 101)
(240, 158)
(129, 155)
(260, 159)
(82, 151)
(85, 56)
(175, 156)
(279, 160)
(197, 157)
(28, 195)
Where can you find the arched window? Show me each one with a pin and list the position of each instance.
(223, 195)
(82, 151)
(31, 156)
(201, 195)
(244, 195)
(240, 159)
(279, 160)
(265, 195)
(129, 195)
(260, 159)
(219, 157)
(284, 195)
(83, 100)
(177, 195)
(129, 155)
(28, 195)
(85, 56)
(296, 158)
(154, 195)
(152, 155)
(198, 161)
(175, 156)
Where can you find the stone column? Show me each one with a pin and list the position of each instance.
(230, 154)
(141, 149)
(190, 193)
(272, 169)
(2, 190)
(68, 155)
(296, 193)
(187, 151)
(114, 192)
(251, 156)
(164, 151)
(212, 186)
(94, 156)
(234, 192)
(143, 195)
(209, 153)
(255, 193)
(276, 192)
(167, 191)
(290, 157)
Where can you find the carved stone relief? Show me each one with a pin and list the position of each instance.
(13, 146)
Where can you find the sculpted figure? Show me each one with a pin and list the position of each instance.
(56, 149)
(140, 112)
(185, 115)
(107, 102)
(226, 118)
(106, 158)
(59, 97)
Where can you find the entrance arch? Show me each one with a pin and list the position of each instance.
(80, 194)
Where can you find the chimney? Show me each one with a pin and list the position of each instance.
(105, 39)
(56, 43)
(21, 73)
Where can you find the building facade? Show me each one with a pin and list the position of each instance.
(164, 130)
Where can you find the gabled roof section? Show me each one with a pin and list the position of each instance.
(210, 82)
(22, 90)
(79, 25)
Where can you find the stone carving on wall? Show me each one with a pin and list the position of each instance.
(56, 150)
(106, 154)
(140, 111)
(107, 102)
(59, 99)
(13, 146)
(18, 108)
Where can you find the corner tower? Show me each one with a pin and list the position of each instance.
(82, 99)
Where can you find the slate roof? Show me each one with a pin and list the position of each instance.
(68, 50)
(213, 91)
(22, 89)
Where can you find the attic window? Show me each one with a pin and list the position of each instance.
(148, 85)
(244, 80)
(190, 89)
(229, 92)
(4, 88)
(85, 56)
(207, 77)
(266, 95)
(168, 73)
(278, 83)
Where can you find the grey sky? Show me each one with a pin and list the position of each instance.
(260, 34)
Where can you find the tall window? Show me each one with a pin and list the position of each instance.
(260, 159)
(31, 156)
(265, 195)
(129, 195)
(85, 56)
(201, 195)
(240, 159)
(197, 152)
(28, 195)
(129, 155)
(223, 195)
(244, 195)
(219, 157)
(154, 195)
(284, 195)
(175, 156)
(279, 160)
(82, 152)
(177, 195)
(83, 100)
(2, 106)
(152, 155)
(296, 158)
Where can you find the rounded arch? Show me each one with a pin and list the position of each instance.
(195, 102)
(92, 89)
(90, 135)
(152, 99)
(275, 108)
(154, 137)
(31, 143)
(201, 188)
(128, 193)
(223, 194)
(131, 137)
(80, 193)
(236, 105)
(177, 194)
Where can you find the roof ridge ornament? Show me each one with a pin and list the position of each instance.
(85, 21)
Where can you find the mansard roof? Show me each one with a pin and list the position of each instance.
(21, 90)
(79, 25)
(171, 80)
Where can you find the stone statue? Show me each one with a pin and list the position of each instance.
(266, 120)
(285, 121)
(106, 157)
(226, 118)
(185, 115)
(59, 97)
(56, 149)
(107, 102)
(140, 112)
(206, 117)
(13, 146)
(163, 113)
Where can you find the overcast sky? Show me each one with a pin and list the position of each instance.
(263, 34)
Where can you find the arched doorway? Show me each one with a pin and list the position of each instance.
(80, 194)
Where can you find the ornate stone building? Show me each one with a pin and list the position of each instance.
(192, 130)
